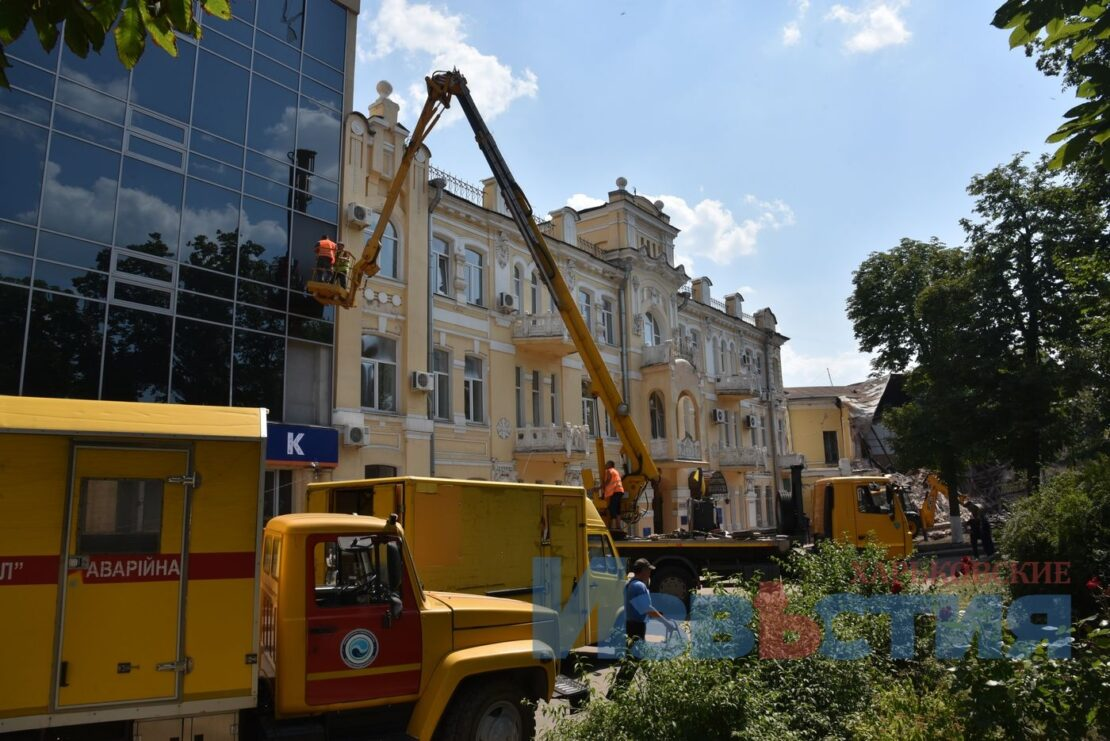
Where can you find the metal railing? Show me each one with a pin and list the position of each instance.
(688, 450)
(536, 326)
(752, 456)
(458, 186)
(570, 439)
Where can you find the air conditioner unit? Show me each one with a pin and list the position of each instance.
(506, 303)
(719, 416)
(358, 215)
(752, 420)
(422, 381)
(355, 435)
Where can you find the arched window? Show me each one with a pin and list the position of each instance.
(658, 416)
(388, 258)
(733, 359)
(687, 419)
(651, 330)
(718, 362)
(586, 306)
(534, 291)
(518, 286)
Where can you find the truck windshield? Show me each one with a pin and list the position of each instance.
(357, 570)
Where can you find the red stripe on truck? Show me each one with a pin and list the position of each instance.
(129, 567)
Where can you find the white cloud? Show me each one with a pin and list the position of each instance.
(580, 201)
(416, 28)
(814, 370)
(876, 25)
(792, 31)
(709, 230)
(791, 34)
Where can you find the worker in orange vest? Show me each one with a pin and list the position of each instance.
(325, 259)
(613, 490)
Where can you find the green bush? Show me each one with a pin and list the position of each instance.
(1068, 519)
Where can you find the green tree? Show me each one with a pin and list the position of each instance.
(1073, 37)
(86, 23)
(916, 308)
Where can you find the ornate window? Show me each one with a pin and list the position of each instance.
(651, 330)
(658, 416)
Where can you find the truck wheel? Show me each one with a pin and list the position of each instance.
(487, 711)
(673, 581)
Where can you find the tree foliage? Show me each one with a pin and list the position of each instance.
(1000, 337)
(1074, 36)
(85, 24)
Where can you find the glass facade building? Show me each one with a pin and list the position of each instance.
(157, 226)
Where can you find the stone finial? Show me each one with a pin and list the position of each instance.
(659, 206)
(384, 89)
(622, 183)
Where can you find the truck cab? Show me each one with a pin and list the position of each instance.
(853, 508)
(346, 627)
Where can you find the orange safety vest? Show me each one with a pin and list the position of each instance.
(326, 248)
(613, 483)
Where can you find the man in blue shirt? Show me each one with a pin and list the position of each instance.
(637, 609)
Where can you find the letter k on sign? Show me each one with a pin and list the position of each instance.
(293, 443)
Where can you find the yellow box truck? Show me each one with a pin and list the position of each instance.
(480, 537)
(139, 597)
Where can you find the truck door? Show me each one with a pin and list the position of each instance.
(606, 586)
(875, 514)
(120, 627)
(363, 636)
(562, 539)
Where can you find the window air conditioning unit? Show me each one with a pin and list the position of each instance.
(506, 303)
(358, 215)
(719, 416)
(422, 381)
(752, 420)
(354, 435)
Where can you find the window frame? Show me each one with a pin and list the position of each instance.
(657, 414)
(391, 235)
(474, 390)
(475, 276)
(441, 393)
(377, 363)
(442, 259)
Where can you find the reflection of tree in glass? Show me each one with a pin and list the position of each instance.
(153, 246)
(253, 266)
(215, 255)
(63, 346)
(13, 313)
(259, 371)
(201, 363)
(136, 367)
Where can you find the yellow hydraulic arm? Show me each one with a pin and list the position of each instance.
(442, 86)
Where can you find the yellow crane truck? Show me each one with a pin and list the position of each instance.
(140, 598)
(679, 560)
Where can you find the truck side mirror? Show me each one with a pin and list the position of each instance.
(396, 607)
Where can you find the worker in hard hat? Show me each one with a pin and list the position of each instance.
(325, 259)
(343, 260)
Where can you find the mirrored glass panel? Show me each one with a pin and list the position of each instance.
(137, 355)
(225, 47)
(318, 132)
(80, 189)
(16, 238)
(205, 281)
(220, 104)
(27, 47)
(24, 104)
(283, 20)
(13, 320)
(15, 269)
(264, 243)
(98, 71)
(258, 375)
(75, 281)
(201, 364)
(203, 307)
(63, 346)
(210, 227)
(217, 172)
(273, 119)
(91, 102)
(325, 31)
(88, 127)
(74, 251)
(149, 209)
(22, 150)
(165, 84)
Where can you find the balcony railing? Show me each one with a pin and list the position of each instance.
(540, 326)
(568, 439)
(744, 384)
(657, 354)
(660, 449)
(786, 460)
(733, 457)
(688, 450)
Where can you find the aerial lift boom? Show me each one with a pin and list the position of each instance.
(442, 87)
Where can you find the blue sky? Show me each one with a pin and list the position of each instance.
(789, 139)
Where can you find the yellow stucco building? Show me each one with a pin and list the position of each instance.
(453, 362)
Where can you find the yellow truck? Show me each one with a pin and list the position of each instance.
(480, 537)
(140, 598)
(855, 508)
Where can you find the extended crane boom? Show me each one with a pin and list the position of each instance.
(442, 87)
